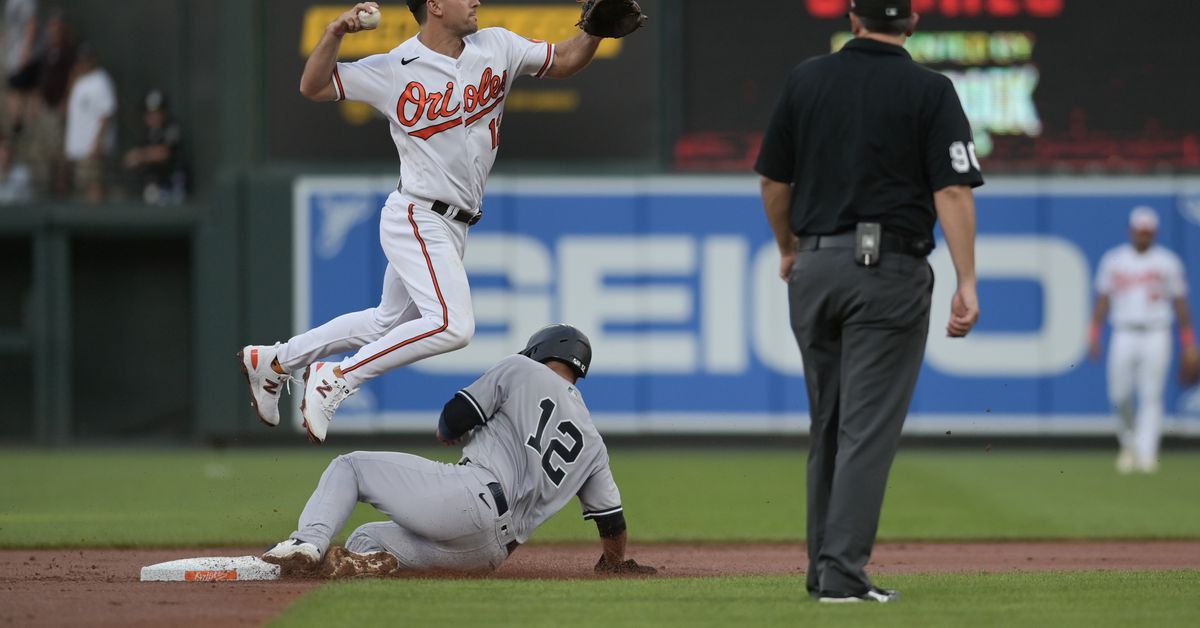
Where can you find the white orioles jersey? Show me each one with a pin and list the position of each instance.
(1141, 286)
(445, 113)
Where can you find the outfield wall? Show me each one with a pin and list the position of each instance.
(674, 280)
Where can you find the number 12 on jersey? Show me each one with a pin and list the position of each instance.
(556, 445)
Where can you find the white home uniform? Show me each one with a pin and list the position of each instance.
(445, 118)
(537, 449)
(1141, 288)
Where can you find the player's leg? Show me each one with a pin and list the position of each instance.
(434, 500)
(268, 368)
(415, 552)
(1122, 368)
(324, 515)
(820, 343)
(883, 344)
(352, 331)
(427, 250)
(1155, 350)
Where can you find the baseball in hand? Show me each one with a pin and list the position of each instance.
(370, 19)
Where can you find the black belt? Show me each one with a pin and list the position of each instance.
(456, 214)
(498, 497)
(501, 504)
(891, 243)
(501, 508)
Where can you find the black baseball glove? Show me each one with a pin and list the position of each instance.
(625, 567)
(611, 18)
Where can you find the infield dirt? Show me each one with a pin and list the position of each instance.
(101, 588)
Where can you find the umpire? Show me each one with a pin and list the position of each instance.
(865, 151)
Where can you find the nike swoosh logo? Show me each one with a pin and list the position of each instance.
(484, 501)
(408, 61)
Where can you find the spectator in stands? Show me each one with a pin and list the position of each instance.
(157, 161)
(45, 148)
(91, 134)
(15, 183)
(22, 58)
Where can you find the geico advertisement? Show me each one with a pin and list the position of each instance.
(674, 280)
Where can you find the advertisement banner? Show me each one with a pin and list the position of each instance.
(1041, 84)
(674, 279)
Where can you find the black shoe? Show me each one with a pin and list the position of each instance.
(874, 594)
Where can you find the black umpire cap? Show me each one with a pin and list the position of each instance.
(876, 9)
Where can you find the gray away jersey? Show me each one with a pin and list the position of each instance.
(539, 442)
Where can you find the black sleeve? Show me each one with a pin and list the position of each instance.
(949, 145)
(460, 415)
(610, 525)
(777, 156)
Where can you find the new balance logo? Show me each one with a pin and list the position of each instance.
(271, 387)
(325, 388)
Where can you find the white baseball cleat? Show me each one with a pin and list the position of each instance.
(264, 382)
(294, 557)
(873, 594)
(1148, 465)
(1126, 462)
(324, 391)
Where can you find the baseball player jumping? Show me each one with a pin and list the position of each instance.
(443, 93)
(530, 447)
(1145, 287)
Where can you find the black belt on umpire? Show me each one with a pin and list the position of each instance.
(890, 243)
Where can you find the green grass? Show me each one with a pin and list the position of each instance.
(1087, 599)
(171, 498)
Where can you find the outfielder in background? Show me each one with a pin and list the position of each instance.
(530, 447)
(443, 94)
(1140, 288)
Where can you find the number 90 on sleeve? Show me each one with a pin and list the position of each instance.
(962, 157)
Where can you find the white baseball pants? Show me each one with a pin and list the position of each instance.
(1138, 360)
(425, 308)
(442, 515)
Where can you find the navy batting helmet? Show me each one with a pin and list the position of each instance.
(563, 343)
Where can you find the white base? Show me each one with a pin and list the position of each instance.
(211, 569)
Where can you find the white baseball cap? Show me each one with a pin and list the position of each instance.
(1143, 218)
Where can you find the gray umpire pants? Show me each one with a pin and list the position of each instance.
(861, 332)
(442, 515)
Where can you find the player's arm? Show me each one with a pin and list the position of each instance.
(955, 206)
(777, 202)
(614, 547)
(316, 83)
(601, 501)
(476, 404)
(573, 55)
(1099, 315)
(1190, 363)
(460, 415)
(613, 538)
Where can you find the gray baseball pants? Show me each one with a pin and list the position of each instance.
(861, 331)
(442, 516)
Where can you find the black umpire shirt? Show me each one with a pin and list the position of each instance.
(867, 135)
